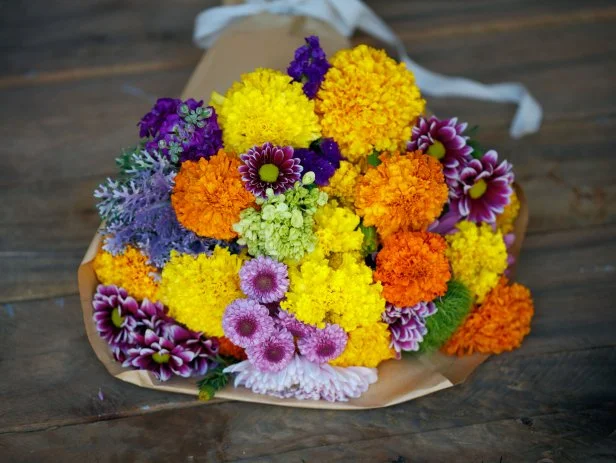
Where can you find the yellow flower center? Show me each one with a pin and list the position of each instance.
(478, 189)
(268, 173)
(160, 358)
(437, 150)
(116, 318)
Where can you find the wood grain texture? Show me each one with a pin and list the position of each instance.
(74, 80)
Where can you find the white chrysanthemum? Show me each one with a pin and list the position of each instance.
(302, 379)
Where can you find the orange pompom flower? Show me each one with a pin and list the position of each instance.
(497, 325)
(209, 195)
(412, 268)
(405, 192)
(227, 348)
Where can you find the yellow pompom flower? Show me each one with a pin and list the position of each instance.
(129, 270)
(265, 106)
(342, 183)
(198, 289)
(337, 229)
(367, 346)
(506, 220)
(478, 257)
(345, 295)
(368, 102)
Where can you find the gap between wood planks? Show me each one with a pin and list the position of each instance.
(497, 26)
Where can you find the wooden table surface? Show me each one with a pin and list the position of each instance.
(75, 79)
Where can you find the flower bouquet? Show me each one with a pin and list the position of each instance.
(307, 238)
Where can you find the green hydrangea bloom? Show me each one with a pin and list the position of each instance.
(283, 228)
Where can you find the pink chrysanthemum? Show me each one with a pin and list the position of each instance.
(247, 322)
(444, 140)
(269, 166)
(297, 328)
(323, 345)
(264, 279)
(274, 353)
(408, 325)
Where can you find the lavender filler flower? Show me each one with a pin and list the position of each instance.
(309, 66)
(264, 279)
(408, 325)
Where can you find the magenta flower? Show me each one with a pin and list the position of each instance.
(153, 316)
(115, 315)
(269, 166)
(204, 349)
(408, 325)
(287, 321)
(323, 345)
(483, 189)
(246, 322)
(161, 356)
(274, 353)
(264, 279)
(443, 140)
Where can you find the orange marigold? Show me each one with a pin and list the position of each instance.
(403, 193)
(229, 349)
(497, 325)
(413, 268)
(209, 195)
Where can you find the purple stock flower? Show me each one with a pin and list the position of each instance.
(287, 321)
(323, 345)
(322, 158)
(246, 323)
(269, 166)
(161, 356)
(182, 130)
(115, 315)
(264, 279)
(273, 353)
(444, 140)
(483, 189)
(408, 325)
(309, 66)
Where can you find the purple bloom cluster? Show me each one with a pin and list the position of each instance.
(322, 158)
(408, 325)
(309, 66)
(182, 130)
(137, 210)
(144, 337)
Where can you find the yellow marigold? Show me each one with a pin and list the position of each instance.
(265, 106)
(413, 268)
(506, 220)
(198, 289)
(346, 295)
(367, 346)
(342, 184)
(498, 325)
(403, 193)
(368, 102)
(209, 195)
(337, 229)
(130, 270)
(478, 256)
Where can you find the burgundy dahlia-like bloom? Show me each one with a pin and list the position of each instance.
(309, 66)
(408, 325)
(274, 353)
(323, 345)
(444, 140)
(115, 315)
(161, 356)
(264, 279)
(246, 322)
(483, 189)
(287, 321)
(269, 166)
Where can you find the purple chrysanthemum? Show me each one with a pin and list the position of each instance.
(269, 166)
(408, 325)
(483, 189)
(115, 316)
(444, 140)
(323, 345)
(446, 223)
(309, 66)
(205, 349)
(161, 356)
(246, 322)
(264, 279)
(182, 130)
(153, 316)
(287, 321)
(323, 158)
(274, 353)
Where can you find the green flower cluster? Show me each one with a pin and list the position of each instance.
(283, 228)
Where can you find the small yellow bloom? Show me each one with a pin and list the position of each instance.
(337, 229)
(506, 220)
(367, 346)
(342, 183)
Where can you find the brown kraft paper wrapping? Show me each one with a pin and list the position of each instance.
(269, 41)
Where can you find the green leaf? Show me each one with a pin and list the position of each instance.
(373, 159)
(478, 150)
